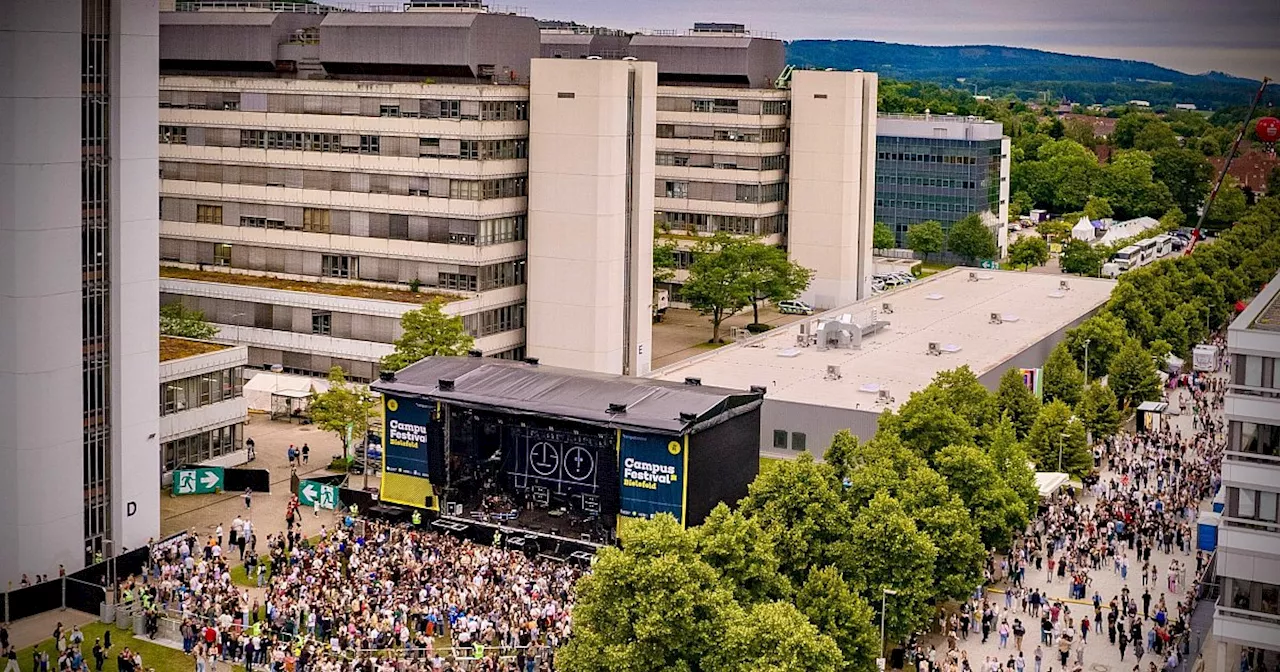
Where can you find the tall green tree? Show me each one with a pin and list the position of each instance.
(882, 237)
(1132, 375)
(743, 553)
(1155, 136)
(1099, 411)
(1098, 208)
(428, 332)
(178, 320)
(926, 238)
(772, 636)
(716, 286)
(768, 273)
(1058, 432)
(927, 424)
(1011, 461)
(1020, 204)
(798, 504)
(971, 239)
(1063, 380)
(838, 612)
(1128, 183)
(1186, 173)
(652, 604)
(1029, 251)
(1105, 333)
(1230, 204)
(997, 510)
(1081, 258)
(1016, 402)
(344, 408)
(664, 259)
(891, 552)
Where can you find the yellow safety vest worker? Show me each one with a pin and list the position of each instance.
(417, 518)
(355, 510)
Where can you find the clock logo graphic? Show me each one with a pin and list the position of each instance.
(578, 463)
(544, 458)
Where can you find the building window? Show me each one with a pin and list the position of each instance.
(676, 190)
(370, 144)
(338, 265)
(315, 220)
(208, 214)
(780, 438)
(773, 107)
(450, 109)
(797, 440)
(321, 322)
(701, 105)
(724, 105)
(173, 135)
(255, 138)
(388, 110)
(469, 149)
(262, 222)
(221, 254)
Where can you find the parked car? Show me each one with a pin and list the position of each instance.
(793, 307)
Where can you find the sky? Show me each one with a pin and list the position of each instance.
(1241, 37)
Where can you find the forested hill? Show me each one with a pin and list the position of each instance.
(1026, 72)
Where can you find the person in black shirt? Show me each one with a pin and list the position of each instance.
(99, 655)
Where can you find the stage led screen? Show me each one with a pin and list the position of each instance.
(564, 461)
(653, 472)
(407, 436)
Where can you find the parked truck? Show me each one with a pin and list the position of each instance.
(1204, 357)
(661, 301)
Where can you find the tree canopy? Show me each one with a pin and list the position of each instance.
(971, 239)
(926, 238)
(427, 332)
(344, 408)
(1029, 251)
(730, 273)
(882, 237)
(178, 320)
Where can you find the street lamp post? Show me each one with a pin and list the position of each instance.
(1061, 436)
(1086, 361)
(884, 597)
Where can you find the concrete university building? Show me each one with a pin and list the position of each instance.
(1248, 556)
(323, 173)
(78, 325)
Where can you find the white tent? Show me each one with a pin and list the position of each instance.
(1127, 229)
(1049, 482)
(1083, 230)
(259, 389)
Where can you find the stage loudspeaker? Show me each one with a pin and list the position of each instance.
(429, 502)
(532, 548)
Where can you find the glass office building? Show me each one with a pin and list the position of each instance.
(940, 168)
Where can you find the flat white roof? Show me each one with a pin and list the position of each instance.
(947, 308)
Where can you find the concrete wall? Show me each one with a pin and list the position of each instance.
(135, 283)
(817, 423)
(832, 189)
(589, 295)
(1033, 357)
(41, 412)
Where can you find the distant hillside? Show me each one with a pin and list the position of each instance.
(1025, 72)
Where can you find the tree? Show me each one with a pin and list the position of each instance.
(1132, 375)
(831, 606)
(971, 239)
(664, 260)
(1058, 432)
(1080, 131)
(1273, 180)
(716, 287)
(882, 237)
(743, 553)
(1055, 229)
(1105, 334)
(178, 320)
(997, 510)
(1011, 461)
(1129, 126)
(428, 332)
(1020, 204)
(1173, 219)
(344, 408)
(1098, 208)
(1129, 184)
(891, 552)
(1230, 204)
(1081, 258)
(1155, 136)
(799, 505)
(1017, 403)
(1186, 173)
(653, 604)
(767, 273)
(926, 238)
(1099, 411)
(1029, 251)
(928, 424)
(1063, 380)
(772, 636)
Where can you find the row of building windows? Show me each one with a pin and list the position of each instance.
(722, 161)
(716, 191)
(1255, 438)
(360, 183)
(919, 157)
(932, 204)
(413, 146)
(210, 388)
(698, 222)
(361, 106)
(1250, 504)
(1254, 371)
(925, 181)
(202, 447)
(690, 132)
(722, 105)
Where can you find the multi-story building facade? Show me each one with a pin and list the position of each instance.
(78, 323)
(1248, 555)
(202, 405)
(306, 147)
(941, 168)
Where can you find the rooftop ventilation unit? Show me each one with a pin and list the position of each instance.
(617, 408)
(973, 276)
(759, 389)
(883, 397)
(1064, 285)
(833, 372)
(996, 318)
(692, 381)
(475, 353)
(531, 361)
(688, 417)
(445, 385)
(887, 308)
(935, 348)
(386, 376)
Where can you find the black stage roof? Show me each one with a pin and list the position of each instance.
(568, 394)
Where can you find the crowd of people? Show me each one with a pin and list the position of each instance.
(1145, 498)
(358, 597)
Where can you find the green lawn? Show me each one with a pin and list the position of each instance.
(162, 658)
